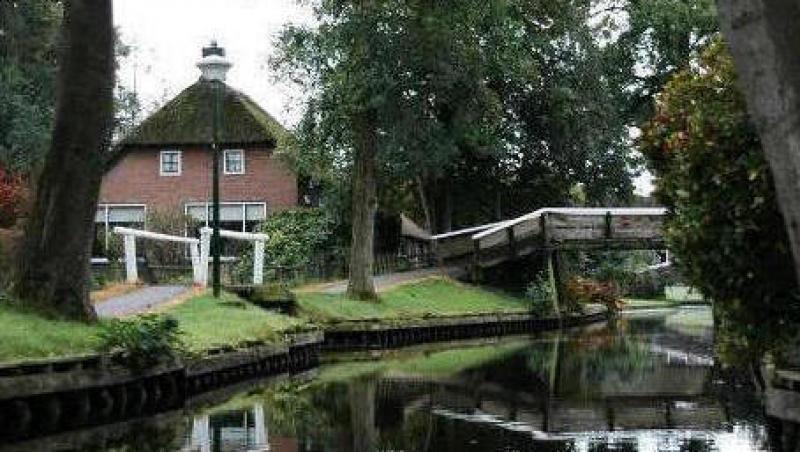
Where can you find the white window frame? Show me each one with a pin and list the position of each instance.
(225, 162)
(161, 162)
(242, 204)
(106, 225)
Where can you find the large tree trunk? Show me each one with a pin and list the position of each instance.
(765, 42)
(365, 203)
(53, 272)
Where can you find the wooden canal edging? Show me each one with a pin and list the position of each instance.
(53, 395)
(368, 335)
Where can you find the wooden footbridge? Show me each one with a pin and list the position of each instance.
(553, 228)
(549, 230)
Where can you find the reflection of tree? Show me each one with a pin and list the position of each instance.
(590, 360)
(362, 415)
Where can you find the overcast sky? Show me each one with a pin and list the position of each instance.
(167, 36)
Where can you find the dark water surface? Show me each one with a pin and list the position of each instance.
(647, 382)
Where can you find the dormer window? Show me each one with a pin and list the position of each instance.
(171, 163)
(233, 161)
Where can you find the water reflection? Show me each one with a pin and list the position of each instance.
(637, 384)
(633, 385)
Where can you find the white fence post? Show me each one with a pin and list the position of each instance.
(258, 249)
(258, 262)
(205, 250)
(130, 259)
(197, 269)
(130, 250)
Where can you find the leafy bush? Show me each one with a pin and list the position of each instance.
(724, 224)
(540, 293)
(585, 290)
(144, 341)
(296, 236)
(170, 222)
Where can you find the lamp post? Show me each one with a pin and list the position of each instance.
(214, 67)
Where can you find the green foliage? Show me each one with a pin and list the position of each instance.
(540, 293)
(27, 81)
(724, 224)
(295, 238)
(520, 100)
(144, 341)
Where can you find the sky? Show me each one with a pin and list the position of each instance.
(167, 36)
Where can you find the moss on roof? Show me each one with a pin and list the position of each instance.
(187, 120)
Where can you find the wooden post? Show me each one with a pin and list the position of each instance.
(130, 259)
(476, 260)
(512, 242)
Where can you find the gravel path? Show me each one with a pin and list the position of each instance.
(139, 300)
(385, 282)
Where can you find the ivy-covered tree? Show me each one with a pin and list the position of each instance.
(724, 224)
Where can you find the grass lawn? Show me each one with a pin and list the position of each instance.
(207, 322)
(434, 297)
(26, 335)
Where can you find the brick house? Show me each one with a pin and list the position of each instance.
(166, 162)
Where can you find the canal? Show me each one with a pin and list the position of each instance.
(644, 382)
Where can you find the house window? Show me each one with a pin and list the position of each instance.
(171, 163)
(233, 161)
(234, 216)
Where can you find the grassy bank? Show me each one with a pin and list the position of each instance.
(204, 321)
(435, 297)
(25, 335)
(207, 322)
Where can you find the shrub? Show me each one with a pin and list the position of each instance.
(540, 294)
(296, 236)
(170, 222)
(144, 341)
(585, 290)
(724, 224)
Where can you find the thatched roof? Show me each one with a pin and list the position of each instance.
(186, 120)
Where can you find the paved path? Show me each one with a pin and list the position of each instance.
(386, 282)
(139, 300)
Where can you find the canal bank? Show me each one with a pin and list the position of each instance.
(624, 385)
(58, 393)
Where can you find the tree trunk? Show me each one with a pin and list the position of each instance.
(53, 272)
(764, 40)
(365, 203)
(423, 200)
